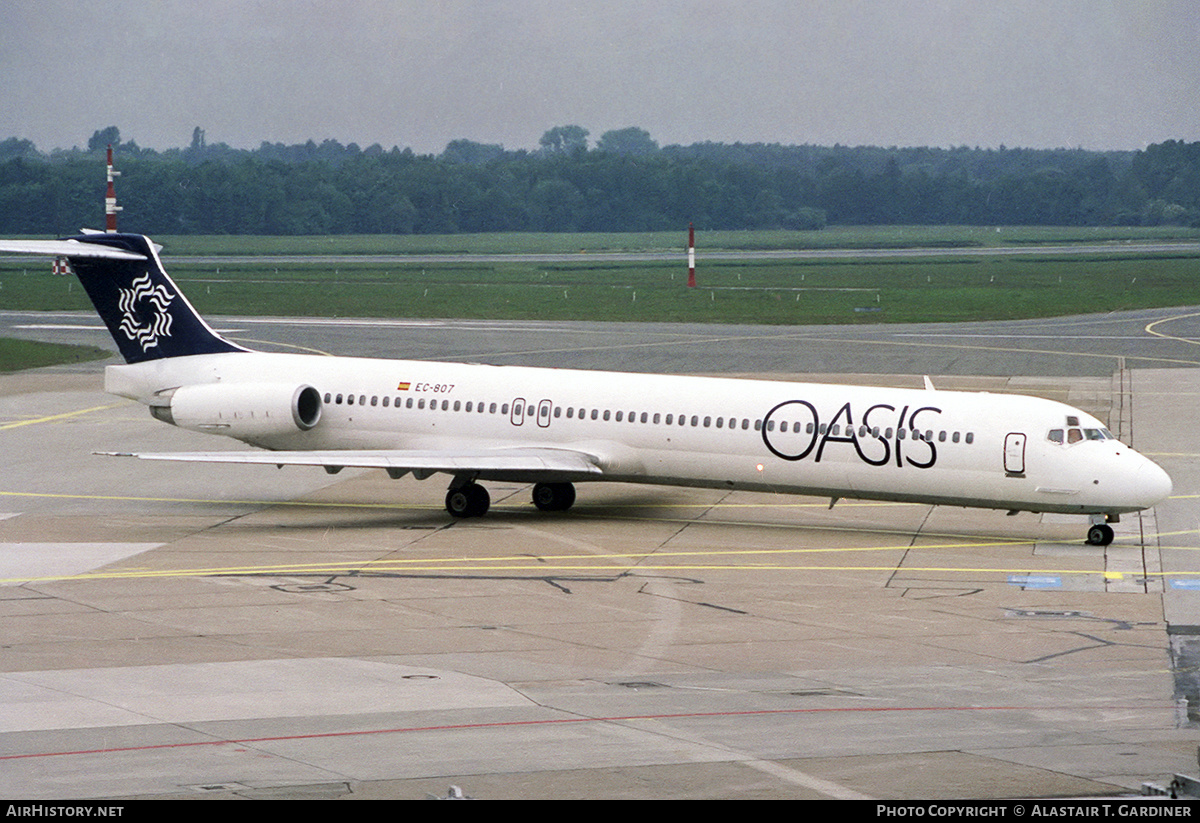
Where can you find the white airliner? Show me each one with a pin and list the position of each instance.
(554, 428)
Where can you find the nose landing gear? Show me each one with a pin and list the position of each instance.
(1100, 533)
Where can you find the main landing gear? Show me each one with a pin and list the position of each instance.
(469, 499)
(553, 497)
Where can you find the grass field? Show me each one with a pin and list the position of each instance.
(865, 237)
(941, 289)
(26, 354)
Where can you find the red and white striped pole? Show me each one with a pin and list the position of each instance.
(691, 257)
(110, 198)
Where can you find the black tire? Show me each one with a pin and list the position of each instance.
(480, 500)
(553, 497)
(1100, 535)
(471, 500)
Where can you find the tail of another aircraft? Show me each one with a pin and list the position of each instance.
(146, 313)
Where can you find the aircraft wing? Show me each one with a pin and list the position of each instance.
(522, 460)
(67, 248)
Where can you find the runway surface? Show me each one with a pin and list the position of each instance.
(221, 631)
(1106, 248)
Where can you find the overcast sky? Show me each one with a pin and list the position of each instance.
(1097, 74)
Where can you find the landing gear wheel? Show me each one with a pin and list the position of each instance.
(553, 497)
(1100, 535)
(470, 500)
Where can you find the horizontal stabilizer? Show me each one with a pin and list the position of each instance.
(67, 248)
(452, 462)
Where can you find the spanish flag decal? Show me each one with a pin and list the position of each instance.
(403, 387)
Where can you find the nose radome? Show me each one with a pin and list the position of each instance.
(1152, 483)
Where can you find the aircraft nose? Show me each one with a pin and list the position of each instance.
(1152, 484)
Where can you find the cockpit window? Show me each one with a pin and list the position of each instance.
(1075, 434)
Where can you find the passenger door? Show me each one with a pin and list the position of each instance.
(1014, 454)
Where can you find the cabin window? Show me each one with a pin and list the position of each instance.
(503, 408)
(469, 407)
(374, 400)
(338, 400)
(770, 425)
(901, 434)
(457, 405)
(646, 417)
(941, 437)
(970, 437)
(607, 414)
(386, 402)
(758, 425)
(745, 423)
(557, 411)
(656, 418)
(362, 400)
(619, 416)
(327, 397)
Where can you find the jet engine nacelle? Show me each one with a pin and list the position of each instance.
(242, 410)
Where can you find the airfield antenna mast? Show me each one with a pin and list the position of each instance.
(691, 257)
(110, 198)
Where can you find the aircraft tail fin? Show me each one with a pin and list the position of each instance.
(145, 312)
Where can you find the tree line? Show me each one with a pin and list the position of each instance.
(624, 182)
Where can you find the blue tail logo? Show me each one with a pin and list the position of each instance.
(147, 315)
(139, 325)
